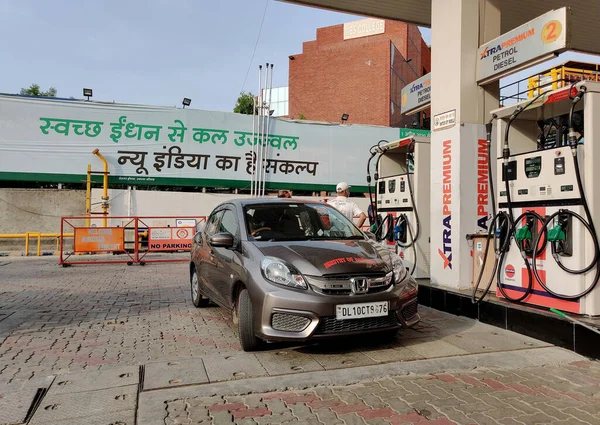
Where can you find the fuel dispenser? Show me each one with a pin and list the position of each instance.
(401, 199)
(548, 194)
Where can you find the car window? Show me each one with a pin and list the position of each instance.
(212, 224)
(273, 222)
(229, 223)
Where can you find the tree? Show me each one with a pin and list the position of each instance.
(245, 104)
(34, 90)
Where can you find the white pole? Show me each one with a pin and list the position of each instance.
(254, 118)
(263, 158)
(268, 122)
(259, 147)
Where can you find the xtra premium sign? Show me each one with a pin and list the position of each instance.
(417, 95)
(520, 47)
(52, 140)
(363, 28)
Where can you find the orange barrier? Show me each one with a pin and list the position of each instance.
(132, 237)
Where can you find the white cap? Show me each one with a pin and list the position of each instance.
(342, 186)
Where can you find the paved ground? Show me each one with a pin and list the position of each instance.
(566, 394)
(55, 319)
(108, 343)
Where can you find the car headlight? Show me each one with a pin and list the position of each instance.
(398, 267)
(277, 271)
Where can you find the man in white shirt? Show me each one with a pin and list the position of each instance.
(346, 206)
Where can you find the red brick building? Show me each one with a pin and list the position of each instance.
(357, 69)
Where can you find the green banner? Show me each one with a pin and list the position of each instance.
(409, 132)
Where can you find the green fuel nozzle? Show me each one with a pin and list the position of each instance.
(556, 234)
(523, 233)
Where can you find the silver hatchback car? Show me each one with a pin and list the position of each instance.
(298, 271)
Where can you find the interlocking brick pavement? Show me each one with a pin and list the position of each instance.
(84, 317)
(497, 397)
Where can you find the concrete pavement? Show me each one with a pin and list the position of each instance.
(119, 344)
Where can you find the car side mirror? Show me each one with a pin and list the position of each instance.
(222, 240)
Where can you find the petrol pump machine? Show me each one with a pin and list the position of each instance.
(548, 200)
(402, 200)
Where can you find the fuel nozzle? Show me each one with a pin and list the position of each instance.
(398, 230)
(523, 233)
(524, 236)
(557, 233)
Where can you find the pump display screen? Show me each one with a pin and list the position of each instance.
(392, 186)
(533, 166)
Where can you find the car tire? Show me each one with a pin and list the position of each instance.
(248, 339)
(197, 299)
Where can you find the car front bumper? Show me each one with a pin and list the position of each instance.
(287, 315)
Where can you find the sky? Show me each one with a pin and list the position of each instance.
(157, 52)
(153, 51)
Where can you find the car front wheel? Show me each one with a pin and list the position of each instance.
(197, 298)
(248, 339)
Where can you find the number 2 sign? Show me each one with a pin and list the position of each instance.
(551, 31)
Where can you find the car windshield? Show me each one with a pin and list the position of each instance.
(289, 221)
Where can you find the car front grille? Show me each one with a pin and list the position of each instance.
(330, 325)
(289, 322)
(341, 284)
(410, 310)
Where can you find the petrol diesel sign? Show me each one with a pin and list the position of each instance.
(417, 95)
(520, 47)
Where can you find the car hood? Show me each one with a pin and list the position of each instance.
(330, 257)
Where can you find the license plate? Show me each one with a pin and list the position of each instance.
(358, 311)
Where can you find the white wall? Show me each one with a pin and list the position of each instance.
(158, 203)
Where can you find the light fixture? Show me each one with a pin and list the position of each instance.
(345, 117)
(407, 60)
(87, 93)
(186, 102)
(292, 57)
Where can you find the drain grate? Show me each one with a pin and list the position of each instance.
(37, 400)
(141, 380)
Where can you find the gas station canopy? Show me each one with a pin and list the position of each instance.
(583, 35)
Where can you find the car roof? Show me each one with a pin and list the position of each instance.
(242, 202)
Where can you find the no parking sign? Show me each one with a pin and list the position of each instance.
(170, 238)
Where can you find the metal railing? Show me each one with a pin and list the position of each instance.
(553, 79)
(37, 235)
(130, 239)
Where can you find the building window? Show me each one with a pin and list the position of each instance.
(400, 71)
